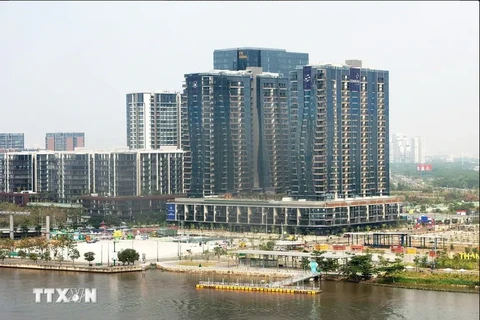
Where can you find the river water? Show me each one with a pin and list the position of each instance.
(161, 295)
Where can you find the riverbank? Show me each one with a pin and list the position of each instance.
(452, 282)
(92, 269)
(408, 280)
(424, 287)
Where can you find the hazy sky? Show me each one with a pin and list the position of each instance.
(67, 66)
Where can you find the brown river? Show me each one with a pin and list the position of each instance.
(170, 296)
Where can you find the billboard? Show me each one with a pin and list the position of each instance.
(461, 212)
(307, 78)
(354, 79)
(170, 212)
(424, 167)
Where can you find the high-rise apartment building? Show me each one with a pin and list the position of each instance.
(404, 149)
(66, 176)
(64, 141)
(418, 150)
(19, 171)
(153, 120)
(400, 148)
(235, 134)
(218, 107)
(271, 133)
(270, 60)
(12, 141)
(339, 131)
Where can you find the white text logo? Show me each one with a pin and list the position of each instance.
(65, 295)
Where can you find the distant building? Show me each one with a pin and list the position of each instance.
(20, 199)
(400, 149)
(66, 176)
(404, 149)
(339, 122)
(418, 150)
(153, 120)
(270, 60)
(14, 141)
(64, 141)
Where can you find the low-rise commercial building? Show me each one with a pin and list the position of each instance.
(288, 213)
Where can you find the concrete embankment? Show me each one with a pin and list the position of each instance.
(73, 268)
(452, 288)
(173, 266)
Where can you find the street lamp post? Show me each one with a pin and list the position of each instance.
(114, 260)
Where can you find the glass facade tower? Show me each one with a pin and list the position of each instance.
(218, 140)
(339, 131)
(270, 60)
(236, 132)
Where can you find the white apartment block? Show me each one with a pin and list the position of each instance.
(68, 175)
(153, 120)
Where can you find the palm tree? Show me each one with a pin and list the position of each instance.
(218, 251)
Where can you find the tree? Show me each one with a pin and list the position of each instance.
(317, 255)
(46, 255)
(359, 267)
(38, 228)
(40, 244)
(24, 229)
(128, 256)
(7, 244)
(22, 254)
(55, 246)
(304, 263)
(3, 254)
(25, 243)
(33, 256)
(268, 246)
(416, 261)
(89, 256)
(325, 265)
(219, 251)
(389, 268)
(74, 254)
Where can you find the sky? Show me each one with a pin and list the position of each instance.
(66, 66)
